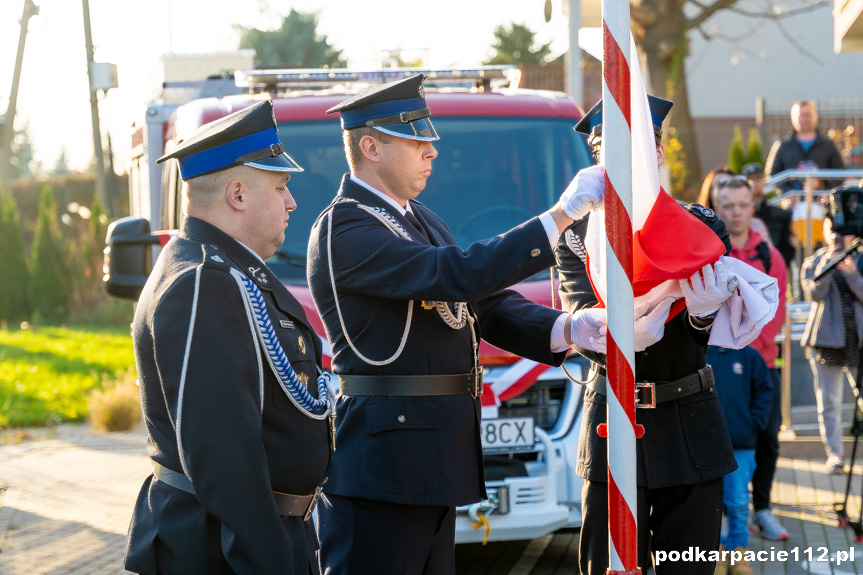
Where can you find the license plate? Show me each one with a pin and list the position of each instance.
(507, 433)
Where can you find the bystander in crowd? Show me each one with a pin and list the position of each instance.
(833, 334)
(733, 202)
(746, 395)
(804, 148)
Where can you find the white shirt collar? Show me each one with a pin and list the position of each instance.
(251, 251)
(382, 195)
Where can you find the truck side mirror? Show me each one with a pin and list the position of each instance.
(128, 257)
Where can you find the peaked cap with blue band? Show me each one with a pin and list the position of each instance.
(591, 123)
(246, 137)
(396, 108)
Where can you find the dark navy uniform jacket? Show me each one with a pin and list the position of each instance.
(685, 441)
(207, 390)
(431, 455)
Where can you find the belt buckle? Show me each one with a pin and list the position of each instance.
(312, 504)
(477, 384)
(648, 404)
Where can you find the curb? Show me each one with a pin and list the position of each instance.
(807, 447)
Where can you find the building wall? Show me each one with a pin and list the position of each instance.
(747, 58)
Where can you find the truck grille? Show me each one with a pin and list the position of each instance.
(542, 401)
(526, 495)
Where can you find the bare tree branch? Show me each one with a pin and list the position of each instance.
(794, 41)
(707, 12)
(770, 13)
(774, 15)
(733, 38)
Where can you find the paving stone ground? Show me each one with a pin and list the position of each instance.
(66, 500)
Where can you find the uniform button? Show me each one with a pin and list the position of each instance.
(401, 418)
(534, 253)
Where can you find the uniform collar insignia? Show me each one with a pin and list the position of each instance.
(259, 275)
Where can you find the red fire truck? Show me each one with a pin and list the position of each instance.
(505, 155)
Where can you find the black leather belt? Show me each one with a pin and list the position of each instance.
(467, 383)
(287, 504)
(648, 394)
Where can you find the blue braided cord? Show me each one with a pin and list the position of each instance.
(287, 376)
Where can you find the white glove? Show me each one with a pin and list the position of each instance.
(584, 192)
(650, 325)
(589, 328)
(706, 290)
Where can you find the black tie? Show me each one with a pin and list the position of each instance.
(416, 223)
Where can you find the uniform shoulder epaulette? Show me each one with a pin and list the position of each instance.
(215, 258)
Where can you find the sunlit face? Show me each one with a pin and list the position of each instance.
(804, 118)
(660, 151)
(268, 210)
(734, 205)
(404, 166)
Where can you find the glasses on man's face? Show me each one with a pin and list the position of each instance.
(732, 182)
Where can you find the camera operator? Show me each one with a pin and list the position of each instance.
(834, 332)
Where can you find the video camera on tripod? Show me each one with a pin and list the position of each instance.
(846, 212)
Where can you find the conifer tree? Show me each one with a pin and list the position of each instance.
(736, 154)
(92, 291)
(13, 266)
(50, 280)
(754, 151)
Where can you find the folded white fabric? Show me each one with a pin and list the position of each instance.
(740, 318)
(751, 306)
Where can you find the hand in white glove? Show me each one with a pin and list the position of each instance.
(706, 290)
(650, 325)
(584, 192)
(589, 329)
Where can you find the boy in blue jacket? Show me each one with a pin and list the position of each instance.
(746, 395)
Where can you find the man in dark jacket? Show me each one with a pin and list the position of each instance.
(805, 147)
(404, 309)
(227, 363)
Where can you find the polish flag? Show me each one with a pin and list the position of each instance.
(668, 242)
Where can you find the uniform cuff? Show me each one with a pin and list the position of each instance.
(558, 342)
(550, 230)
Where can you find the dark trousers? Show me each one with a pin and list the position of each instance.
(360, 536)
(767, 449)
(669, 519)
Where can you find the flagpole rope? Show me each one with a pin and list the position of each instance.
(620, 428)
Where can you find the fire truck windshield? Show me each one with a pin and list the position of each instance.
(491, 174)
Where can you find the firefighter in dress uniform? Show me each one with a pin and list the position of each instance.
(228, 367)
(685, 450)
(404, 309)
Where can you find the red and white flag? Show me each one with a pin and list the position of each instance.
(668, 243)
